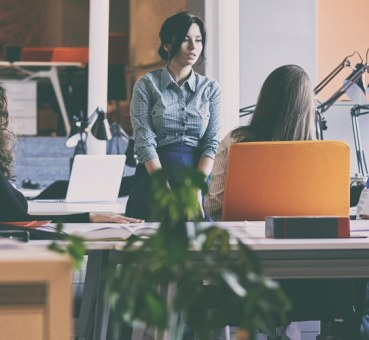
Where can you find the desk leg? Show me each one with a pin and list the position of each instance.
(102, 307)
(59, 96)
(52, 74)
(91, 315)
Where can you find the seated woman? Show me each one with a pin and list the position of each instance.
(285, 112)
(13, 205)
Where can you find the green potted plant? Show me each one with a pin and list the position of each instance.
(190, 277)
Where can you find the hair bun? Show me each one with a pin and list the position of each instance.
(163, 53)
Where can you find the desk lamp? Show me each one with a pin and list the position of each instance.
(354, 78)
(247, 110)
(344, 63)
(356, 112)
(357, 93)
(96, 124)
(121, 144)
(99, 125)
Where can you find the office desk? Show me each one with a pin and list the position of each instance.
(308, 258)
(281, 259)
(62, 208)
(288, 258)
(45, 69)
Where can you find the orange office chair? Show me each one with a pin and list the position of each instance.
(306, 178)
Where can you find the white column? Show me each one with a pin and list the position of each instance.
(98, 66)
(222, 56)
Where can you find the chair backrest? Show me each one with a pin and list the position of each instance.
(70, 54)
(298, 178)
(62, 54)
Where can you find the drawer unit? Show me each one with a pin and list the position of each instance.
(22, 106)
(35, 293)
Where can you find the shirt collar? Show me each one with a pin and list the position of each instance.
(191, 81)
(167, 79)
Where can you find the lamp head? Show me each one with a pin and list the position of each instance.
(357, 91)
(78, 132)
(73, 140)
(99, 125)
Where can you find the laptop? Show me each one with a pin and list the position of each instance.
(94, 178)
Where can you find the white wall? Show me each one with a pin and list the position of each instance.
(274, 33)
(222, 53)
(223, 58)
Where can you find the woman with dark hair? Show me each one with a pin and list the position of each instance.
(174, 111)
(284, 111)
(13, 205)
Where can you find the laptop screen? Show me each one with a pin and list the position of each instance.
(95, 178)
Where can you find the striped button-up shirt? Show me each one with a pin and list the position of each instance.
(164, 113)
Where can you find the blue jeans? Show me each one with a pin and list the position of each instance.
(171, 156)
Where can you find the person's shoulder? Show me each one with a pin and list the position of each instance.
(204, 79)
(148, 82)
(229, 139)
(150, 77)
(211, 86)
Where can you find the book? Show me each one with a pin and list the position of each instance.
(307, 227)
(29, 224)
(117, 232)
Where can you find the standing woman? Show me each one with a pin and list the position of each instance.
(174, 111)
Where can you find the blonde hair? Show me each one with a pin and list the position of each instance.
(284, 109)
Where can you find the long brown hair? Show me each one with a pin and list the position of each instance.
(284, 109)
(7, 138)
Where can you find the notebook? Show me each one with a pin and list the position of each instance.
(94, 178)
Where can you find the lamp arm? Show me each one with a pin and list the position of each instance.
(323, 107)
(92, 117)
(345, 62)
(247, 110)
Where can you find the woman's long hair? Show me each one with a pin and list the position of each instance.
(7, 138)
(284, 109)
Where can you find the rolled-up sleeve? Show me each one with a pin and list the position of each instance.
(143, 132)
(210, 140)
(213, 202)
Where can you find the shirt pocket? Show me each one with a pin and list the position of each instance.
(165, 109)
(201, 110)
(158, 110)
(164, 118)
